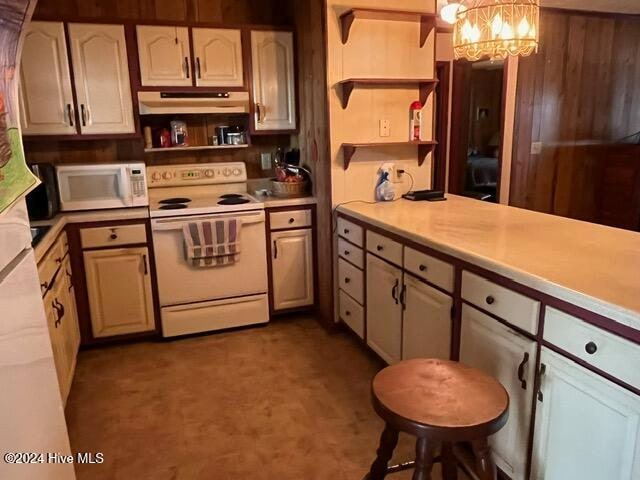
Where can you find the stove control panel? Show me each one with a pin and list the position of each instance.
(196, 174)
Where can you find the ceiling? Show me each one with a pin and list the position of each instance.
(617, 6)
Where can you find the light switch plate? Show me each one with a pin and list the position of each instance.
(265, 161)
(385, 127)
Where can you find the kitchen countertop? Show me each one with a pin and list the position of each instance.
(271, 201)
(589, 265)
(58, 222)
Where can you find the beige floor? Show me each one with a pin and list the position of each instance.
(286, 401)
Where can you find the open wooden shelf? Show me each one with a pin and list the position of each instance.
(424, 148)
(426, 86)
(194, 147)
(427, 20)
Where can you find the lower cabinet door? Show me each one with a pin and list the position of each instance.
(119, 290)
(55, 318)
(426, 328)
(509, 357)
(292, 268)
(384, 311)
(587, 427)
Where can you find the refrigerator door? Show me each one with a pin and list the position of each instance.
(31, 412)
(15, 235)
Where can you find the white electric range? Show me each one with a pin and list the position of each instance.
(201, 299)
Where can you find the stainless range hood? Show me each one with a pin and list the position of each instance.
(161, 103)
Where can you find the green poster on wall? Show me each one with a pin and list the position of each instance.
(16, 180)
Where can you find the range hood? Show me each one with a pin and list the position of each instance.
(161, 103)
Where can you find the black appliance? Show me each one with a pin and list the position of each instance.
(42, 202)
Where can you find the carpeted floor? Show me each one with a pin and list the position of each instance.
(285, 401)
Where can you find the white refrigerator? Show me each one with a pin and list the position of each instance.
(31, 412)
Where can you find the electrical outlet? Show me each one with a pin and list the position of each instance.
(391, 169)
(385, 127)
(265, 161)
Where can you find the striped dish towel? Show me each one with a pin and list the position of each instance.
(212, 243)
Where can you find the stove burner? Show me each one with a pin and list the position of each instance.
(233, 201)
(231, 195)
(173, 206)
(172, 201)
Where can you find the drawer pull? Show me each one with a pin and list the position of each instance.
(379, 248)
(291, 220)
(347, 252)
(347, 280)
(394, 291)
(591, 348)
(59, 260)
(114, 235)
(346, 231)
(521, 367)
(423, 268)
(347, 313)
(490, 300)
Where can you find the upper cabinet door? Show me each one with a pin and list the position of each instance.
(218, 57)
(101, 78)
(46, 100)
(164, 56)
(274, 90)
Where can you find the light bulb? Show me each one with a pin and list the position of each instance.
(523, 28)
(496, 25)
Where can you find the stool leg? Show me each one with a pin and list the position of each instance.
(449, 462)
(388, 442)
(424, 459)
(485, 467)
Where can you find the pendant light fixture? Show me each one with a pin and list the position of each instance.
(496, 29)
(449, 12)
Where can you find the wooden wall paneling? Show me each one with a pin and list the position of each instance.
(460, 109)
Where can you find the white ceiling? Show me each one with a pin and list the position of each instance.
(618, 6)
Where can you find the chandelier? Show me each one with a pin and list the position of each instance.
(496, 29)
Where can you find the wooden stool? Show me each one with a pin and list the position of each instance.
(440, 402)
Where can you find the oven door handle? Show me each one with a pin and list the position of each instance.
(177, 224)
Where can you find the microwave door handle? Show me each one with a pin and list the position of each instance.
(125, 185)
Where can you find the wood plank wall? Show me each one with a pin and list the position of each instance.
(272, 12)
(581, 89)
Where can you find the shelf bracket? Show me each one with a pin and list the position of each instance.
(347, 20)
(348, 151)
(423, 151)
(426, 89)
(347, 88)
(427, 24)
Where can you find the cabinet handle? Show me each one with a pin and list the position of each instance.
(591, 348)
(394, 291)
(422, 268)
(347, 313)
(347, 253)
(275, 249)
(291, 220)
(83, 114)
(198, 72)
(59, 260)
(144, 261)
(521, 367)
(114, 235)
(543, 370)
(403, 297)
(186, 67)
(346, 231)
(379, 248)
(490, 300)
(347, 280)
(70, 279)
(44, 286)
(70, 113)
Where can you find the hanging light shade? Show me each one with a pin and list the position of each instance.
(496, 29)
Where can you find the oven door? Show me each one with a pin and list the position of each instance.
(179, 283)
(89, 187)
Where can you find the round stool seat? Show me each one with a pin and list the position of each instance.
(443, 399)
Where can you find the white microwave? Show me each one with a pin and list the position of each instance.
(92, 187)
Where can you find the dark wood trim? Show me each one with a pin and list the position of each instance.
(503, 106)
(169, 23)
(443, 74)
(592, 13)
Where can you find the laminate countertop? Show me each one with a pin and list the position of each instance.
(589, 265)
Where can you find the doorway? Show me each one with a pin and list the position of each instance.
(477, 125)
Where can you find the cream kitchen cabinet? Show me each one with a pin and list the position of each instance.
(46, 98)
(292, 268)
(426, 322)
(586, 427)
(272, 59)
(218, 57)
(164, 55)
(119, 291)
(510, 358)
(101, 78)
(384, 310)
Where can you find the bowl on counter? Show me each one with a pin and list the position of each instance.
(289, 189)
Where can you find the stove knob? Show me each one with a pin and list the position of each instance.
(208, 173)
(237, 172)
(167, 175)
(226, 172)
(156, 176)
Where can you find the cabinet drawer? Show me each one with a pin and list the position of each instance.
(611, 354)
(292, 219)
(113, 236)
(511, 306)
(429, 268)
(351, 280)
(350, 231)
(352, 314)
(384, 248)
(351, 253)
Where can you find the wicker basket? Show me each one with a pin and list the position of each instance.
(288, 189)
